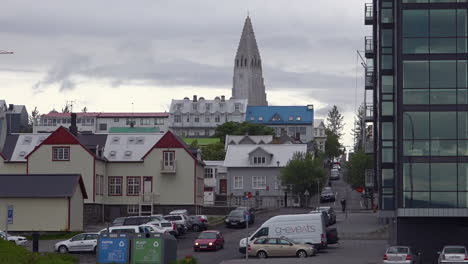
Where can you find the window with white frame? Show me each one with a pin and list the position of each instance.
(277, 183)
(115, 185)
(237, 201)
(133, 209)
(197, 118)
(116, 120)
(259, 160)
(217, 119)
(177, 119)
(238, 182)
(258, 182)
(133, 185)
(207, 119)
(210, 173)
(130, 121)
(61, 153)
(159, 121)
(168, 158)
(145, 121)
(260, 118)
(237, 107)
(101, 187)
(208, 107)
(298, 118)
(195, 107)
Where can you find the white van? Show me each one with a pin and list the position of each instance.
(302, 228)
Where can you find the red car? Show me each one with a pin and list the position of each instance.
(209, 240)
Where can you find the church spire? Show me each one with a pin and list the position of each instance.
(248, 78)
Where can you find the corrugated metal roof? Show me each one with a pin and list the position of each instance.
(238, 155)
(108, 114)
(40, 185)
(129, 147)
(280, 114)
(9, 147)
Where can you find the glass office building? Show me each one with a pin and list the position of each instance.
(418, 53)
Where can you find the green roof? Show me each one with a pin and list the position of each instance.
(134, 130)
(202, 141)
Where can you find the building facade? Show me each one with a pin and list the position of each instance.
(215, 182)
(256, 169)
(416, 83)
(295, 121)
(200, 117)
(105, 122)
(248, 77)
(123, 174)
(320, 137)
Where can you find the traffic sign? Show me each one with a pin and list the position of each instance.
(112, 250)
(147, 250)
(306, 193)
(10, 214)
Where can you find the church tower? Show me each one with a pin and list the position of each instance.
(248, 77)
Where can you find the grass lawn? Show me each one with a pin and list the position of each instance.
(11, 253)
(54, 236)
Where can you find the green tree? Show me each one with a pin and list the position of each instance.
(303, 172)
(65, 109)
(358, 127)
(84, 110)
(234, 128)
(357, 166)
(332, 145)
(213, 151)
(335, 122)
(194, 145)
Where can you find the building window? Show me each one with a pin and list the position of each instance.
(237, 107)
(259, 182)
(207, 132)
(238, 182)
(277, 183)
(221, 106)
(207, 119)
(197, 119)
(133, 209)
(101, 186)
(237, 201)
(252, 118)
(130, 121)
(298, 118)
(103, 127)
(194, 107)
(207, 107)
(61, 153)
(116, 120)
(259, 160)
(291, 118)
(260, 118)
(217, 119)
(98, 184)
(209, 173)
(133, 185)
(168, 158)
(145, 121)
(159, 121)
(177, 119)
(115, 185)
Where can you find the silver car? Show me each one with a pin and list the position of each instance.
(400, 255)
(453, 254)
(80, 242)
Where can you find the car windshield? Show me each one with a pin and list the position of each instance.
(207, 235)
(455, 250)
(398, 250)
(166, 224)
(236, 213)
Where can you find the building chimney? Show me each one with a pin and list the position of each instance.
(73, 127)
(194, 98)
(223, 98)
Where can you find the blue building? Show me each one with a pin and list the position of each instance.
(294, 121)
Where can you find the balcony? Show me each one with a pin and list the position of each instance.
(369, 47)
(369, 78)
(148, 198)
(168, 166)
(369, 178)
(369, 116)
(369, 145)
(368, 14)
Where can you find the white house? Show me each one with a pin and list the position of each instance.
(320, 136)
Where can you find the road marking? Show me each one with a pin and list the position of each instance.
(360, 202)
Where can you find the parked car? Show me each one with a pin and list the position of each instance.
(279, 247)
(179, 212)
(308, 229)
(205, 218)
(132, 229)
(118, 221)
(170, 227)
(400, 254)
(153, 228)
(332, 235)
(236, 218)
(80, 242)
(180, 221)
(453, 254)
(334, 174)
(251, 213)
(196, 223)
(18, 240)
(331, 213)
(327, 196)
(139, 220)
(336, 166)
(209, 240)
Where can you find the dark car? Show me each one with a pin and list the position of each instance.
(136, 220)
(330, 212)
(196, 223)
(209, 240)
(332, 235)
(236, 218)
(251, 213)
(327, 195)
(118, 221)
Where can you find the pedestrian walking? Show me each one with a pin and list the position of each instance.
(343, 204)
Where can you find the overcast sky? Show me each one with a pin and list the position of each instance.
(107, 54)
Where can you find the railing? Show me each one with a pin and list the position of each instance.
(369, 76)
(148, 198)
(368, 13)
(369, 44)
(168, 167)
